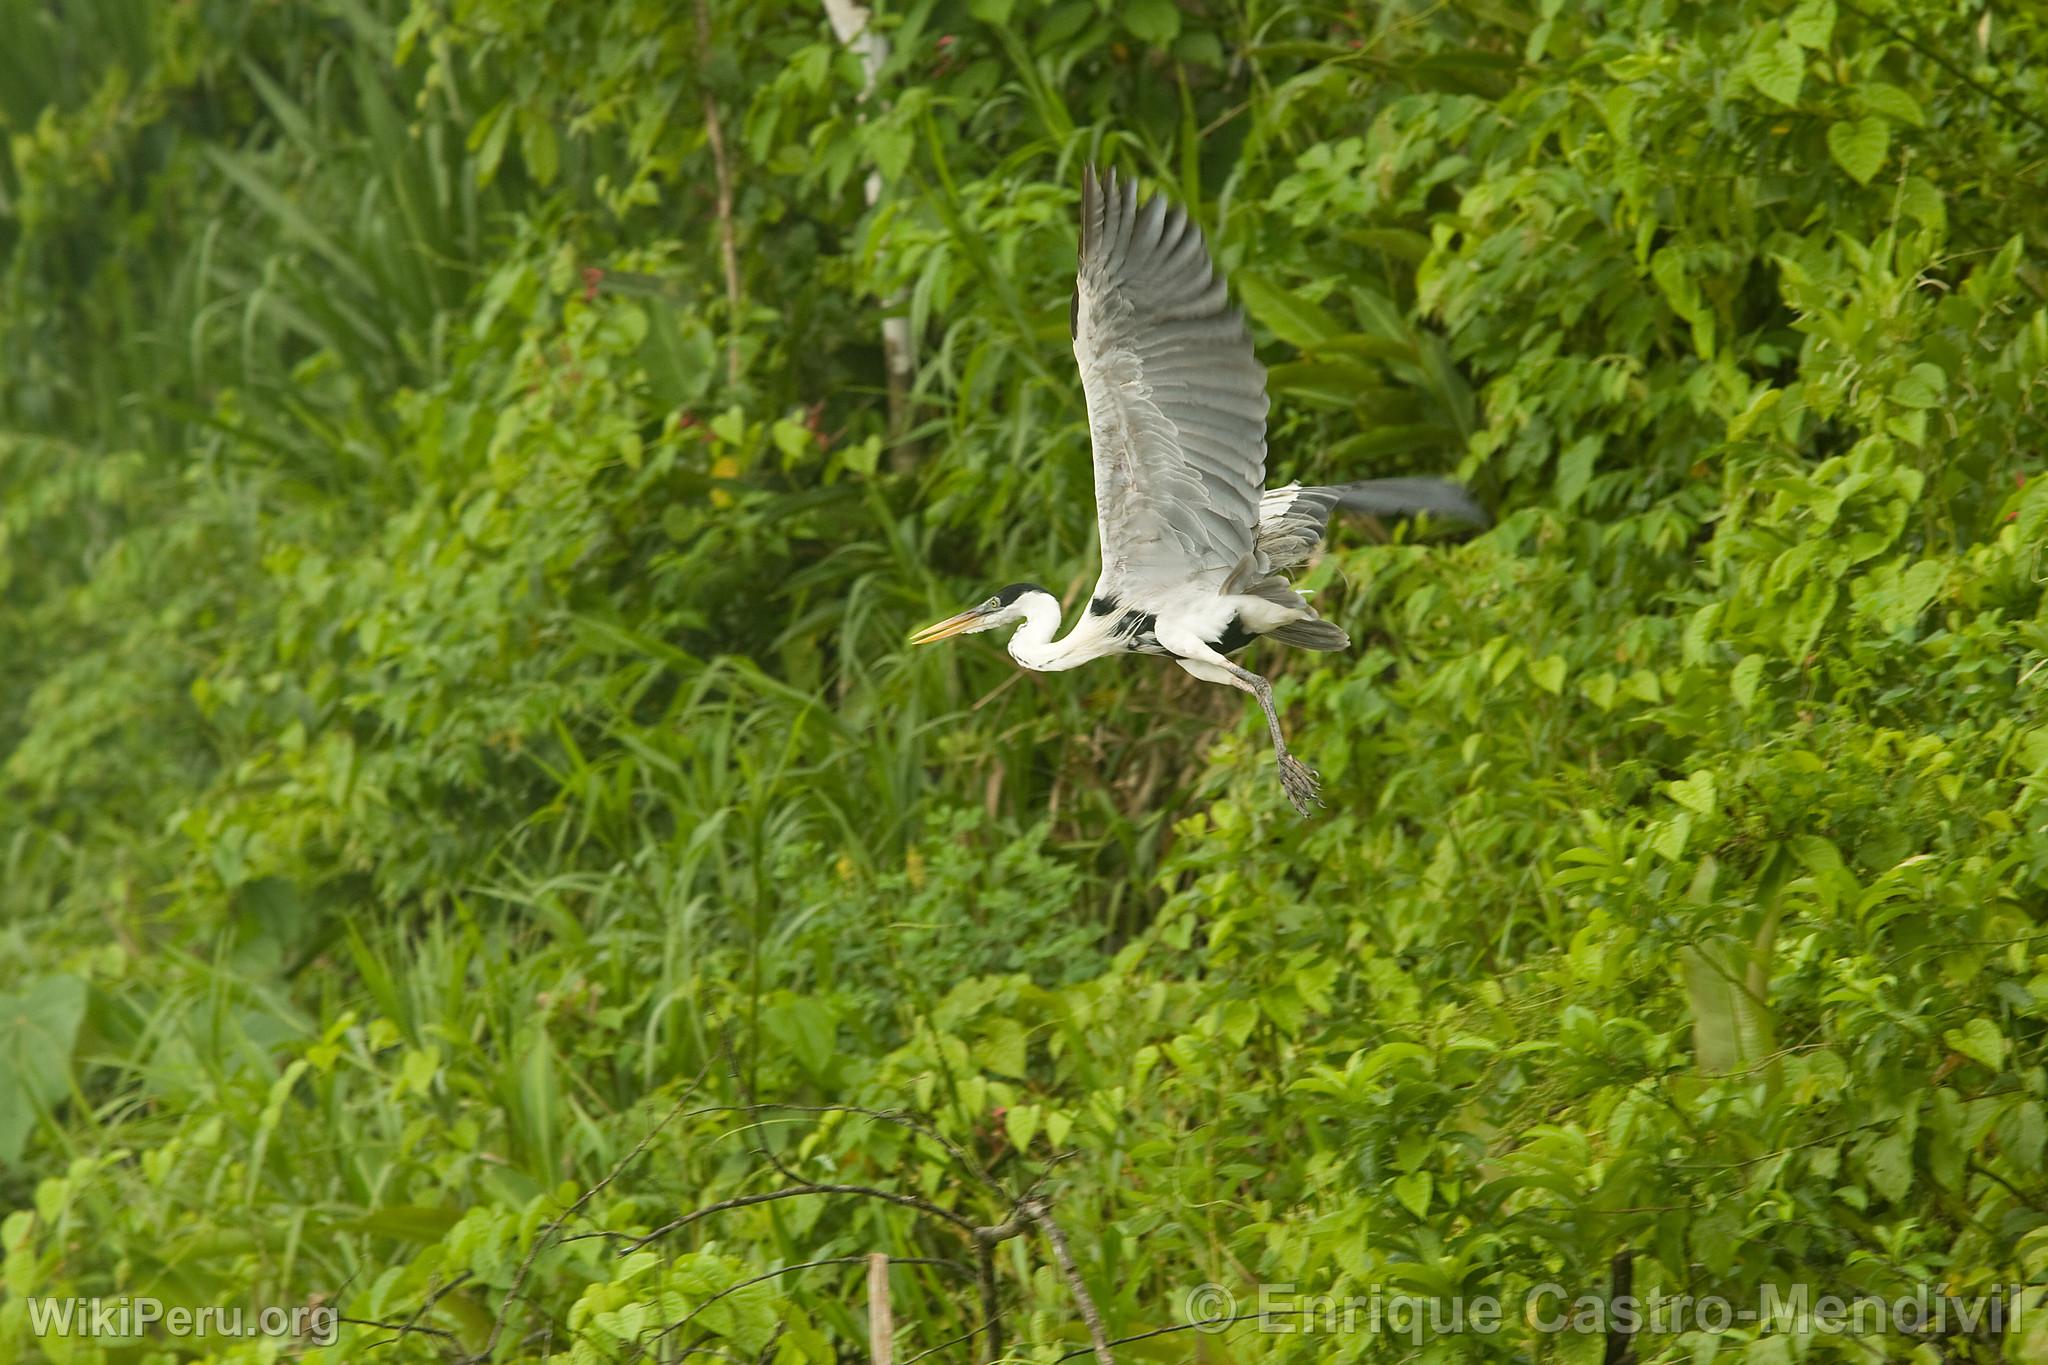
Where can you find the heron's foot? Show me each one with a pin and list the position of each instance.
(1301, 782)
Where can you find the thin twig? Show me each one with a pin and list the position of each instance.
(715, 131)
(439, 1292)
(1035, 1209)
(403, 1329)
(901, 1118)
(1935, 55)
(555, 1225)
(1198, 1325)
(947, 1345)
(686, 1319)
(908, 1201)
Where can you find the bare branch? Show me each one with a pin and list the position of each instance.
(714, 130)
(553, 1226)
(908, 1201)
(1036, 1210)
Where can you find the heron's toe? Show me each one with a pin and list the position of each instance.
(1301, 782)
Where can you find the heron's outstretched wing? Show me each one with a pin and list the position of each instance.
(1176, 399)
(1291, 519)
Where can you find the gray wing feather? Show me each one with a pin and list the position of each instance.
(1176, 398)
(1292, 519)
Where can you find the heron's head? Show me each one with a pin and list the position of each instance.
(1010, 605)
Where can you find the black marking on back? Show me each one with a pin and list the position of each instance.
(1235, 637)
(1133, 625)
(1101, 606)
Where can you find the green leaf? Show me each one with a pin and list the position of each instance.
(1921, 387)
(1980, 1041)
(1889, 1167)
(1697, 793)
(807, 1027)
(1777, 69)
(487, 140)
(1004, 1048)
(1742, 683)
(1675, 282)
(1575, 469)
(1859, 148)
(1731, 1028)
(1894, 103)
(1548, 673)
(2022, 1132)
(1413, 1190)
(38, 1029)
(1021, 1122)
(1152, 21)
(1334, 383)
(537, 145)
(1283, 313)
(1811, 23)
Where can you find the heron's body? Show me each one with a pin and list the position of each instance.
(1195, 548)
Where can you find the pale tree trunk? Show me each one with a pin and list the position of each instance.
(899, 352)
(881, 1319)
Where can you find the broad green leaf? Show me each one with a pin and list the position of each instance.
(537, 144)
(38, 1028)
(1859, 148)
(1892, 102)
(1004, 1049)
(1334, 383)
(1669, 269)
(1284, 313)
(1980, 1041)
(2022, 1134)
(1021, 1123)
(1575, 469)
(1811, 22)
(807, 1027)
(1776, 68)
(1414, 1190)
(487, 139)
(1731, 1027)
(1889, 1167)
(1921, 387)
(1742, 683)
(1152, 21)
(1697, 793)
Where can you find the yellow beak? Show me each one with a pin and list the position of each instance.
(947, 628)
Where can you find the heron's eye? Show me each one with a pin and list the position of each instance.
(993, 603)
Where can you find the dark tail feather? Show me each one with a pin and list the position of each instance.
(1407, 497)
(1323, 635)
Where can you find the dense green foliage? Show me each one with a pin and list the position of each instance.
(455, 714)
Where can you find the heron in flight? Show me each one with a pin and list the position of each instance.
(1194, 545)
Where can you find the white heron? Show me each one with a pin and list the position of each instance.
(1194, 544)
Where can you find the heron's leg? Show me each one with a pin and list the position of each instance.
(1300, 781)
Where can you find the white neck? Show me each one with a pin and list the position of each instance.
(1033, 646)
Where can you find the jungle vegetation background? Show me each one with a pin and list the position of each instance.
(459, 740)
